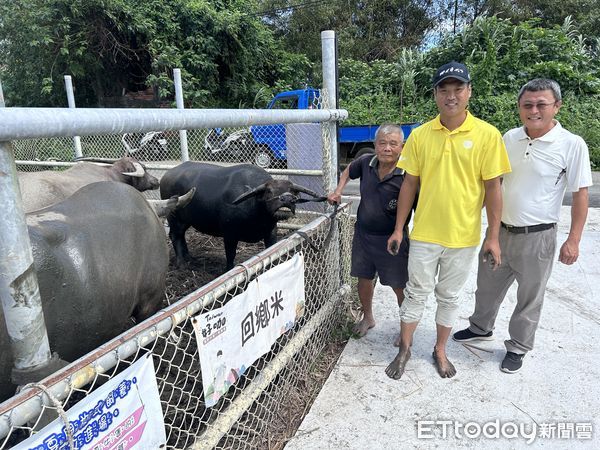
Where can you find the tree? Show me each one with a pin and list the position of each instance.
(226, 53)
(366, 30)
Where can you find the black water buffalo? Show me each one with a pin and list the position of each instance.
(238, 203)
(45, 188)
(101, 258)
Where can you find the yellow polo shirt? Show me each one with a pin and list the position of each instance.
(452, 166)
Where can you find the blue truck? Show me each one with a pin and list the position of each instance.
(268, 142)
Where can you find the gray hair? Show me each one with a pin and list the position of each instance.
(389, 128)
(541, 84)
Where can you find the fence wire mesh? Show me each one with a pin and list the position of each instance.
(267, 146)
(255, 411)
(298, 148)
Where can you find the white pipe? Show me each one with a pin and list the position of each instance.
(179, 100)
(329, 85)
(32, 123)
(71, 101)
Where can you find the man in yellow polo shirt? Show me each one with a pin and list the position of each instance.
(456, 160)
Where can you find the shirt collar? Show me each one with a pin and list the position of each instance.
(550, 136)
(467, 125)
(374, 163)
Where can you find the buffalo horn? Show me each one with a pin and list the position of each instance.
(305, 190)
(164, 207)
(139, 170)
(251, 193)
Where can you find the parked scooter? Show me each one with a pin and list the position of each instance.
(151, 146)
(232, 147)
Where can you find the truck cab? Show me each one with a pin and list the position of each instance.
(270, 139)
(270, 142)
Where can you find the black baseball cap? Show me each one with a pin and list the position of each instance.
(452, 70)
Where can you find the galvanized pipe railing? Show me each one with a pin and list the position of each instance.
(31, 123)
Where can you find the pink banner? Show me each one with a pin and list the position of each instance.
(123, 428)
(132, 438)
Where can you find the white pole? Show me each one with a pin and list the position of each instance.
(71, 100)
(179, 99)
(1, 96)
(329, 85)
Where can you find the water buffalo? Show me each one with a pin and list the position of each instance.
(45, 188)
(238, 203)
(101, 258)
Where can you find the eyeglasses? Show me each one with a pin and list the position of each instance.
(538, 106)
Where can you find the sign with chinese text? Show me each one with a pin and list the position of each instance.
(233, 337)
(124, 413)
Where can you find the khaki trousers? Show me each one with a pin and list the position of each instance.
(527, 258)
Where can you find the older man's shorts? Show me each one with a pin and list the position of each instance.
(370, 257)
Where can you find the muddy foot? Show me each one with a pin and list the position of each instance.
(363, 327)
(396, 368)
(444, 367)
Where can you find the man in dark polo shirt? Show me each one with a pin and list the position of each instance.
(380, 182)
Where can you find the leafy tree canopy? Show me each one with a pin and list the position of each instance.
(366, 30)
(226, 54)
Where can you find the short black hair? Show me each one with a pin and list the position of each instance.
(541, 84)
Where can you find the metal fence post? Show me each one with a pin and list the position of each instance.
(1, 96)
(329, 86)
(179, 100)
(330, 153)
(19, 291)
(71, 100)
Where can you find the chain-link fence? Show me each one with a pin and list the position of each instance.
(284, 150)
(244, 417)
(266, 146)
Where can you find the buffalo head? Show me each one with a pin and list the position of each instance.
(279, 197)
(136, 172)
(129, 170)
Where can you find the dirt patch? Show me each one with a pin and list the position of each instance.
(208, 262)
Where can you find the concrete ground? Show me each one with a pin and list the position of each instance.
(557, 391)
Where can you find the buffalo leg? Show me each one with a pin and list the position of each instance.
(230, 251)
(271, 238)
(177, 234)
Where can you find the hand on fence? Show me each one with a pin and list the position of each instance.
(334, 198)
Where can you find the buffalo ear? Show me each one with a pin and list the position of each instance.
(251, 193)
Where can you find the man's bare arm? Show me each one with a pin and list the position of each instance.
(406, 198)
(336, 195)
(569, 251)
(493, 209)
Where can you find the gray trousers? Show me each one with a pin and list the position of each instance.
(527, 258)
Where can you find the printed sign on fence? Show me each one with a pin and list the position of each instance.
(124, 413)
(233, 337)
